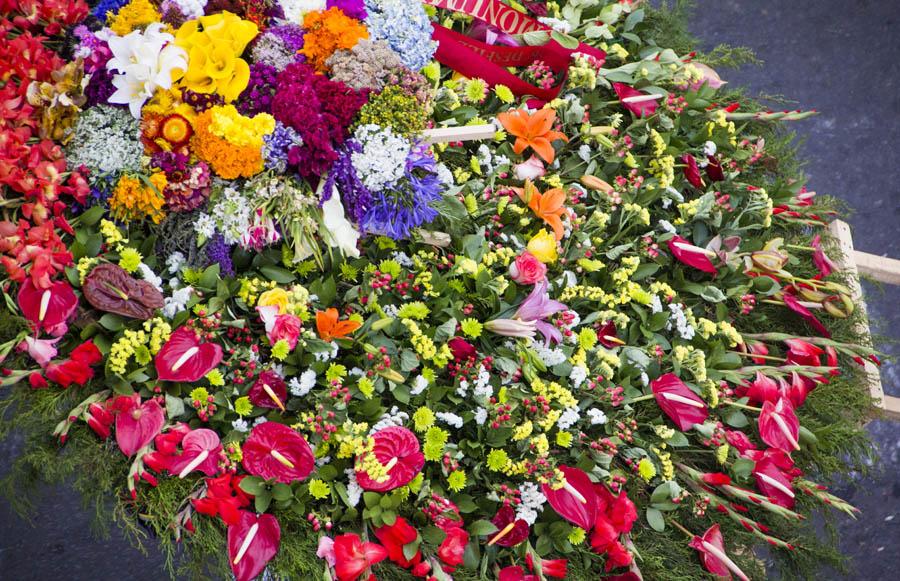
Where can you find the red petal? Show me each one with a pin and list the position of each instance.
(271, 436)
(697, 260)
(793, 304)
(712, 564)
(683, 414)
(59, 305)
(194, 444)
(773, 482)
(192, 358)
(568, 505)
(262, 548)
(640, 108)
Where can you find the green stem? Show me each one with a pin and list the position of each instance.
(742, 406)
(754, 356)
(639, 399)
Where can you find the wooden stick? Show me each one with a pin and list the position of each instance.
(464, 133)
(880, 268)
(890, 406)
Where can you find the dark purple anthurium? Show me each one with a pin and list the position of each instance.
(268, 391)
(252, 543)
(676, 400)
(607, 337)
(694, 256)
(510, 530)
(714, 169)
(692, 171)
(137, 423)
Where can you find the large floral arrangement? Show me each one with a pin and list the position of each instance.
(278, 324)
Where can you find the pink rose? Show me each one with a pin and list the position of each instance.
(527, 269)
(530, 170)
(286, 327)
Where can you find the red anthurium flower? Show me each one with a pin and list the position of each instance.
(683, 406)
(716, 478)
(714, 169)
(224, 498)
(801, 352)
(275, 451)
(774, 483)
(694, 256)
(798, 389)
(691, 171)
(739, 441)
(99, 419)
(515, 573)
(607, 336)
(137, 423)
(825, 265)
(576, 501)
(795, 305)
(712, 553)
(763, 389)
(397, 449)
(352, 556)
(453, 547)
(779, 426)
(394, 537)
(252, 542)
(77, 368)
(269, 391)
(641, 104)
(200, 451)
(48, 308)
(462, 349)
(549, 567)
(185, 358)
(510, 530)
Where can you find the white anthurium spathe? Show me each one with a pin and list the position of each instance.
(143, 61)
(341, 232)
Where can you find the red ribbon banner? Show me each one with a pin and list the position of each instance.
(474, 58)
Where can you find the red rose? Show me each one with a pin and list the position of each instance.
(454, 546)
(527, 269)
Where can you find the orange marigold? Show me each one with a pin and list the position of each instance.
(135, 199)
(327, 32)
(228, 160)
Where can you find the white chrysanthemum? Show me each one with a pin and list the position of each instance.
(390, 419)
(569, 418)
(175, 261)
(295, 9)
(301, 386)
(596, 416)
(419, 385)
(354, 490)
(150, 276)
(177, 302)
(483, 386)
(578, 375)
(481, 416)
(450, 419)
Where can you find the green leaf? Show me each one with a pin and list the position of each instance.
(535, 38)
(656, 520)
(262, 501)
(282, 491)
(742, 468)
(253, 485)
(210, 277)
(277, 273)
(736, 419)
(371, 499)
(713, 294)
(112, 322)
(91, 216)
(564, 40)
(410, 549)
(633, 20)
(445, 331)
(662, 493)
(482, 527)
(174, 407)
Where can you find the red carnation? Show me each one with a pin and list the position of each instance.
(453, 547)
(77, 368)
(224, 498)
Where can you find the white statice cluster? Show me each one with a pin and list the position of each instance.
(177, 302)
(174, 262)
(568, 418)
(584, 152)
(354, 490)
(190, 9)
(578, 374)
(678, 320)
(300, 386)
(390, 419)
(240, 425)
(667, 226)
(481, 415)
(325, 356)
(445, 175)
(402, 258)
(231, 216)
(150, 276)
(141, 63)
(107, 140)
(295, 9)
(532, 502)
(549, 355)
(596, 416)
(483, 387)
(656, 305)
(382, 161)
(419, 385)
(450, 419)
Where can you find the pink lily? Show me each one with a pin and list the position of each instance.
(779, 426)
(530, 170)
(41, 350)
(512, 328)
(537, 307)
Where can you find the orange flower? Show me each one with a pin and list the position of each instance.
(549, 206)
(533, 130)
(327, 32)
(330, 328)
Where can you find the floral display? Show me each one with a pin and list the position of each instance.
(268, 312)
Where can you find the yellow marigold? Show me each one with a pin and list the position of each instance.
(227, 159)
(329, 31)
(135, 14)
(134, 199)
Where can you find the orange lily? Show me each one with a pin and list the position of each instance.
(330, 328)
(549, 206)
(534, 130)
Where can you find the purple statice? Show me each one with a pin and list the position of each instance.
(354, 194)
(398, 209)
(290, 34)
(277, 144)
(219, 252)
(279, 46)
(257, 97)
(352, 8)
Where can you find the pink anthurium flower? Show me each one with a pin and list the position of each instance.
(48, 308)
(641, 104)
(709, 77)
(687, 253)
(252, 543)
(137, 423)
(712, 553)
(772, 481)
(515, 573)
(269, 391)
(798, 389)
(779, 426)
(397, 449)
(692, 171)
(825, 265)
(577, 500)
(795, 305)
(185, 358)
(276, 452)
(200, 451)
(676, 400)
(763, 389)
(510, 530)
(41, 350)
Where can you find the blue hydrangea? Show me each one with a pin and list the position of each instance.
(405, 26)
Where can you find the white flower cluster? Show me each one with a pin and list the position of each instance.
(568, 418)
(150, 276)
(596, 416)
(550, 356)
(556, 24)
(231, 216)
(419, 385)
(191, 9)
(483, 383)
(177, 302)
(175, 261)
(295, 9)
(382, 161)
(240, 425)
(578, 375)
(481, 415)
(532, 502)
(302, 385)
(679, 320)
(392, 418)
(450, 419)
(327, 355)
(354, 490)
